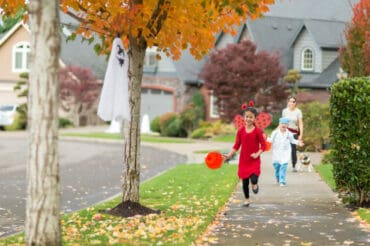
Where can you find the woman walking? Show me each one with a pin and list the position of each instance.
(295, 125)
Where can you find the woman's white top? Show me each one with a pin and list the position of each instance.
(281, 149)
(293, 116)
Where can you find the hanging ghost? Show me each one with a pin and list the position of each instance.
(114, 98)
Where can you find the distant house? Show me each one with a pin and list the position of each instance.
(161, 88)
(306, 33)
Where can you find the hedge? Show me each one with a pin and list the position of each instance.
(349, 136)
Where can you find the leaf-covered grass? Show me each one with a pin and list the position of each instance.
(326, 172)
(364, 214)
(189, 197)
(144, 138)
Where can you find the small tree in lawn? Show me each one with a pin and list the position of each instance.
(237, 74)
(171, 26)
(293, 77)
(79, 90)
(355, 57)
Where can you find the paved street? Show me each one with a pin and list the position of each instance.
(90, 173)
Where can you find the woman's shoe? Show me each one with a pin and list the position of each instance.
(246, 204)
(255, 191)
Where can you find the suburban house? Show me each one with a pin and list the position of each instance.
(161, 88)
(307, 34)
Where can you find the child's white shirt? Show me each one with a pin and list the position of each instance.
(281, 149)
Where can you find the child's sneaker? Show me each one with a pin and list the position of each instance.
(282, 184)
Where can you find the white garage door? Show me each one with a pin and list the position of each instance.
(155, 102)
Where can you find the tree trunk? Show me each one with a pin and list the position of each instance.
(43, 193)
(131, 130)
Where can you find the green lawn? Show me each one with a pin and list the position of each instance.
(144, 137)
(189, 197)
(326, 172)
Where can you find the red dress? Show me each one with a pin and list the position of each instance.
(250, 142)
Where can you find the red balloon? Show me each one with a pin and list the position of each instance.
(214, 160)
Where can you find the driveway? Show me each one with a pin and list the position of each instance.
(90, 172)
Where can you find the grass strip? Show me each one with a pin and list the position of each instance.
(326, 173)
(189, 197)
(144, 138)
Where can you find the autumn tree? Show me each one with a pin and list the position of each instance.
(171, 26)
(355, 56)
(237, 74)
(79, 90)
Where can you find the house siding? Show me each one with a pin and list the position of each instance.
(6, 73)
(328, 56)
(305, 40)
(165, 64)
(170, 84)
(225, 40)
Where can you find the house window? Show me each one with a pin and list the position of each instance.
(307, 60)
(213, 106)
(21, 57)
(150, 61)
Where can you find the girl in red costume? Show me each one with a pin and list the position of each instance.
(252, 143)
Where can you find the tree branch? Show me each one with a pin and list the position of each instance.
(159, 15)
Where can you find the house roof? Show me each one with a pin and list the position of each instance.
(275, 34)
(75, 52)
(324, 38)
(188, 68)
(335, 10)
(281, 27)
(328, 76)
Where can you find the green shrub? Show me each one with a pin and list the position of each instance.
(174, 129)
(217, 128)
(193, 113)
(18, 124)
(349, 136)
(63, 123)
(164, 121)
(316, 125)
(155, 125)
(198, 133)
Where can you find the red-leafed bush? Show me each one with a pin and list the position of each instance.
(238, 73)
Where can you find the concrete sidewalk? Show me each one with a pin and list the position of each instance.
(305, 212)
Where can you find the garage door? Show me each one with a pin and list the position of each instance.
(155, 102)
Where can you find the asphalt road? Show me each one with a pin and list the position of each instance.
(90, 172)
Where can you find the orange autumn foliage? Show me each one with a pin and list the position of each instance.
(172, 26)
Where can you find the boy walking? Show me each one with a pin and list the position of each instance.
(281, 139)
